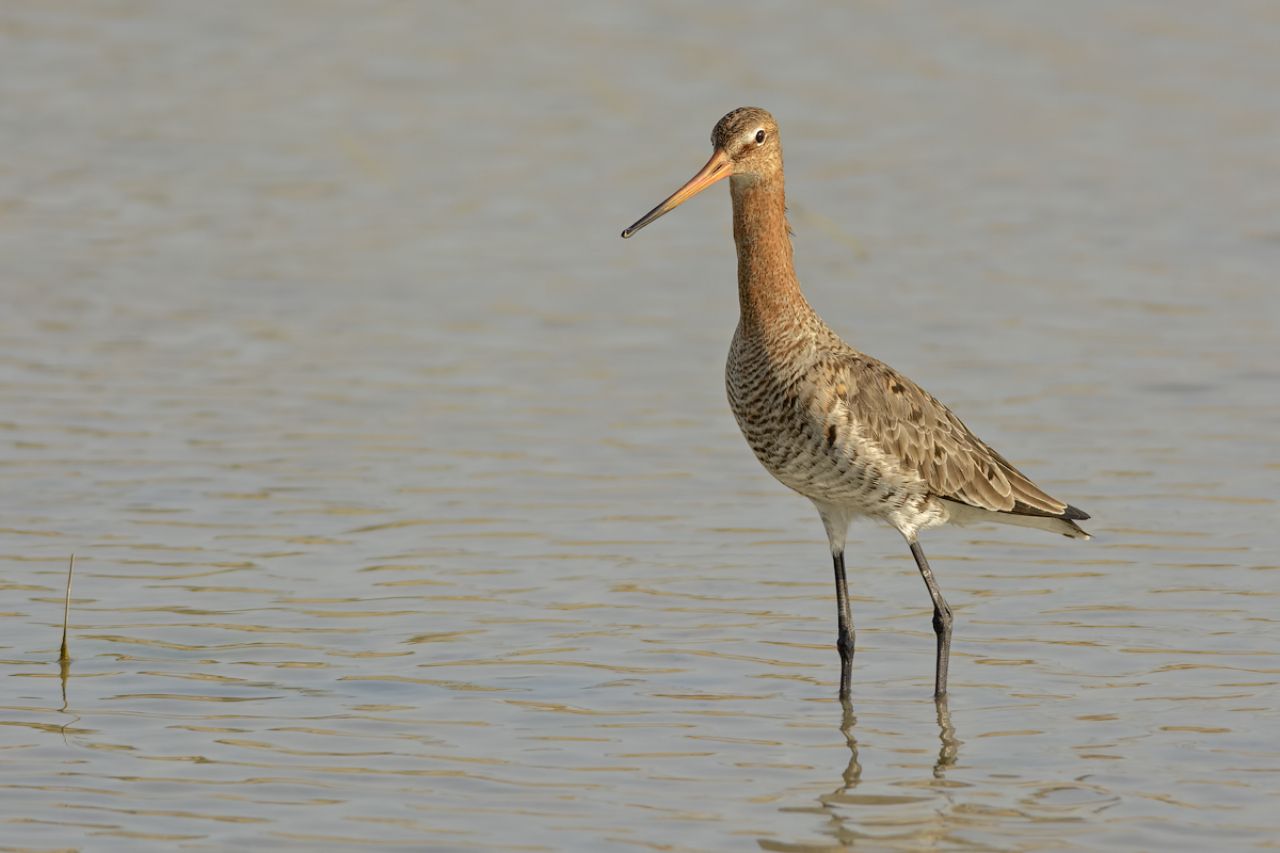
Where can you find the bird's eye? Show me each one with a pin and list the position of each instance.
(759, 137)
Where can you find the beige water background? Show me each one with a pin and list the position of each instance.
(408, 509)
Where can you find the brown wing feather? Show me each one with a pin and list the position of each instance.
(912, 426)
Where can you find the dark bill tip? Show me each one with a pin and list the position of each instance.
(716, 169)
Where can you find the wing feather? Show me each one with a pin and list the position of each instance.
(910, 425)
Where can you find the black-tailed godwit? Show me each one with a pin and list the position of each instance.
(841, 428)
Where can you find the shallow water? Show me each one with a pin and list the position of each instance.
(407, 507)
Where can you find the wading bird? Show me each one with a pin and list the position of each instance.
(842, 428)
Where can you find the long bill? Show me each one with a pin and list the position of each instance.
(717, 168)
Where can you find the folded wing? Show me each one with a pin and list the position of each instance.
(910, 425)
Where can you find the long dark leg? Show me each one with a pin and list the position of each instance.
(844, 636)
(941, 620)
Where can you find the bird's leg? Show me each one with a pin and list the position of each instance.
(941, 620)
(844, 636)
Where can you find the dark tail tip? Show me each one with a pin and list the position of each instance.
(1071, 513)
(1074, 513)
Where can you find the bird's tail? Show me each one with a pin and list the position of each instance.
(1064, 523)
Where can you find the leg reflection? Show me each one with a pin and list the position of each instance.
(950, 749)
(845, 835)
(853, 770)
(845, 811)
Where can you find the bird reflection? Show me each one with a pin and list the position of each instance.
(853, 770)
(844, 822)
(844, 810)
(839, 828)
(950, 749)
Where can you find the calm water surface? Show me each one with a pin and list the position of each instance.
(408, 509)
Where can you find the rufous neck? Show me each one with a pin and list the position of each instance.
(767, 285)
